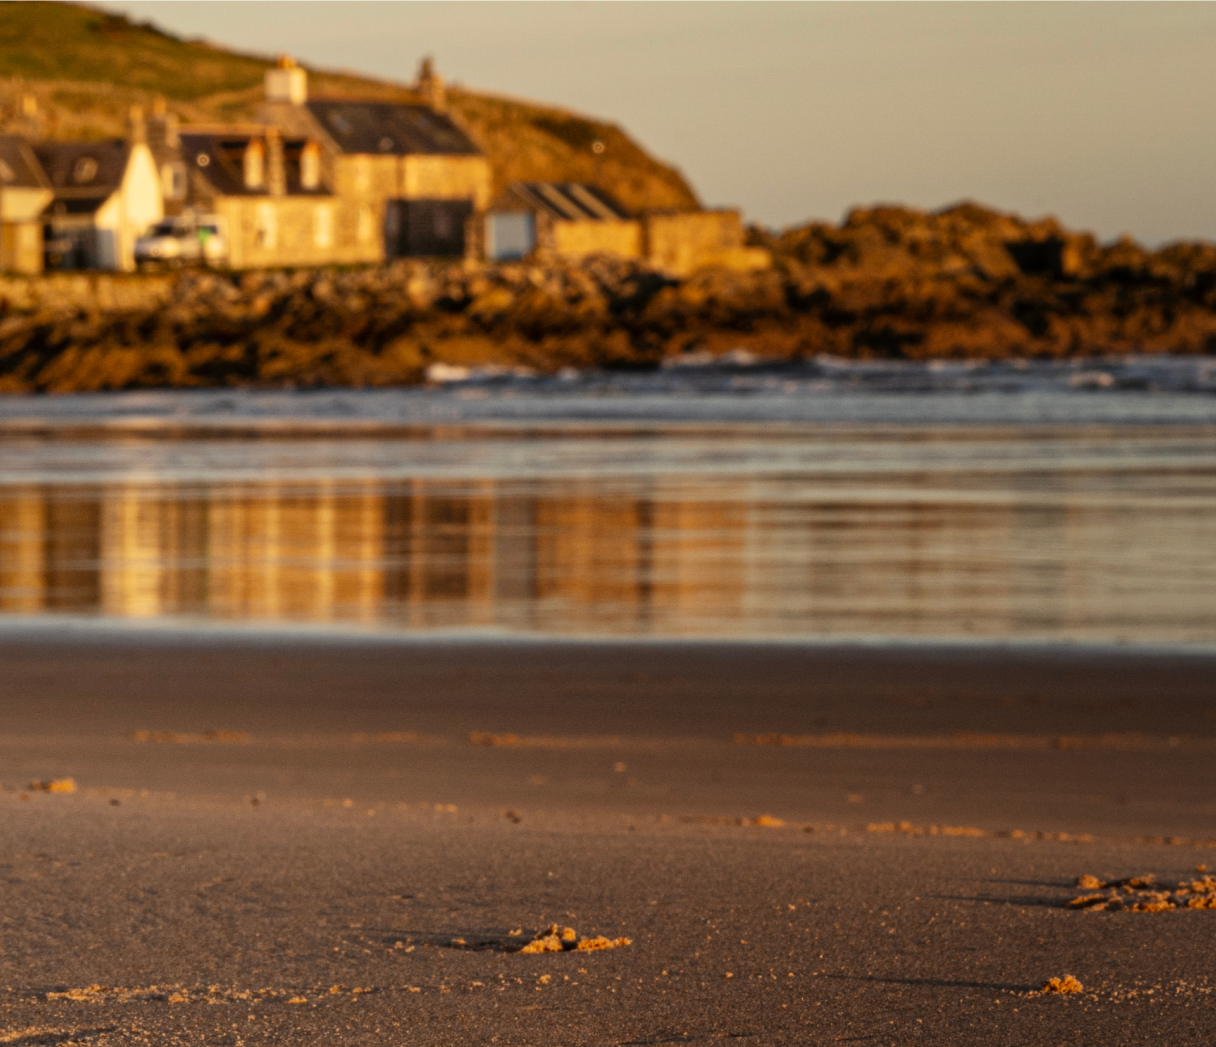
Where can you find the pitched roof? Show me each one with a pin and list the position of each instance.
(567, 201)
(218, 157)
(19, 167)
(390, 128)
(83, 170)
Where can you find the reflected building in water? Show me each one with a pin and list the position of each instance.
(727, 557)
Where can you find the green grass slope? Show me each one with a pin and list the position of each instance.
(88, 67)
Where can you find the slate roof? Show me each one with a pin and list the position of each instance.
(19, 167)
(390, 129)
(83, 175)
(566, 201)
(223, 164)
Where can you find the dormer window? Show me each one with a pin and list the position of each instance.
(173, 181)
(310, 166)
(255, 165)
(85, 170)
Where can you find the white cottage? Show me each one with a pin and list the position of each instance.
(106, 195)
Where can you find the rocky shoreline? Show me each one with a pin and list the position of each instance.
(889, 283)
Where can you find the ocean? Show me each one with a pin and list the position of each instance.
(729, 498)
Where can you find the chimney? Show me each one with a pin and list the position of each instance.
(276, 172)
(162, 128)
(431, 86)
(286, 82)
(137, 128)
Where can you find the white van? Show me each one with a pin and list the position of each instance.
(184, 240)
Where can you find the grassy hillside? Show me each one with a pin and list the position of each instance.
(88, 67)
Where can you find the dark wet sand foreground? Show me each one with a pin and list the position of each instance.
(316, 841)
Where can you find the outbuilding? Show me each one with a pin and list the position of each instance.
(24, 195)
(557, 220)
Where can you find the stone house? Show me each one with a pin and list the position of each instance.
(24, 194)
(548, 220)
(104, 196)
(412, 175)
(270, 193)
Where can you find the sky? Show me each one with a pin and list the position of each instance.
(1099, 113)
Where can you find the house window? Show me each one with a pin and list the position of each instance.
(363, 174)
(85, 170)
(510, 235)
(366, 227)
(255, 165)
(173, 181)
(310, 166)
(323, 226)
(266, 227)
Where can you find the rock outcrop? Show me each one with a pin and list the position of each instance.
(888, 282)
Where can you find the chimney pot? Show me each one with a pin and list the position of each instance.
(431, 85)
(137, 128)
(286, 82)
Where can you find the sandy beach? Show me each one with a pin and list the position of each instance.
(307, 840)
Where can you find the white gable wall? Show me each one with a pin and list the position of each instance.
(141, 201)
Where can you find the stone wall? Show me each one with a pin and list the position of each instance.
(277, 231)
(21, 247)
(888, 283)
(446, 178)
(685, 241)
(575, 240)
(68, 293)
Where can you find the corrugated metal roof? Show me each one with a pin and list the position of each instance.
(19, 167)
(568, 201)
(390, 129)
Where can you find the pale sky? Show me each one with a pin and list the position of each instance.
(1099, 113)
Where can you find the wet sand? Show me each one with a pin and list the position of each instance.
(778, 893)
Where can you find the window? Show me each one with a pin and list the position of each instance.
(363, 174)
(85, 170)
(367, 224)
(173, 181)
(510, 235)
(266, 227)
(323, 226)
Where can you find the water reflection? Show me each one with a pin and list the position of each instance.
(664, 555)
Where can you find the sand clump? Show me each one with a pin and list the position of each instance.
(763, 821)
(553, 938)
(909, 829)
(187, 738)
(565, 939)
(1143, 894)
(54, 785)
(1062, 986)
(179, 994)
(515, 741)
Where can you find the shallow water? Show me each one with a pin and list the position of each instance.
(1067, 511)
